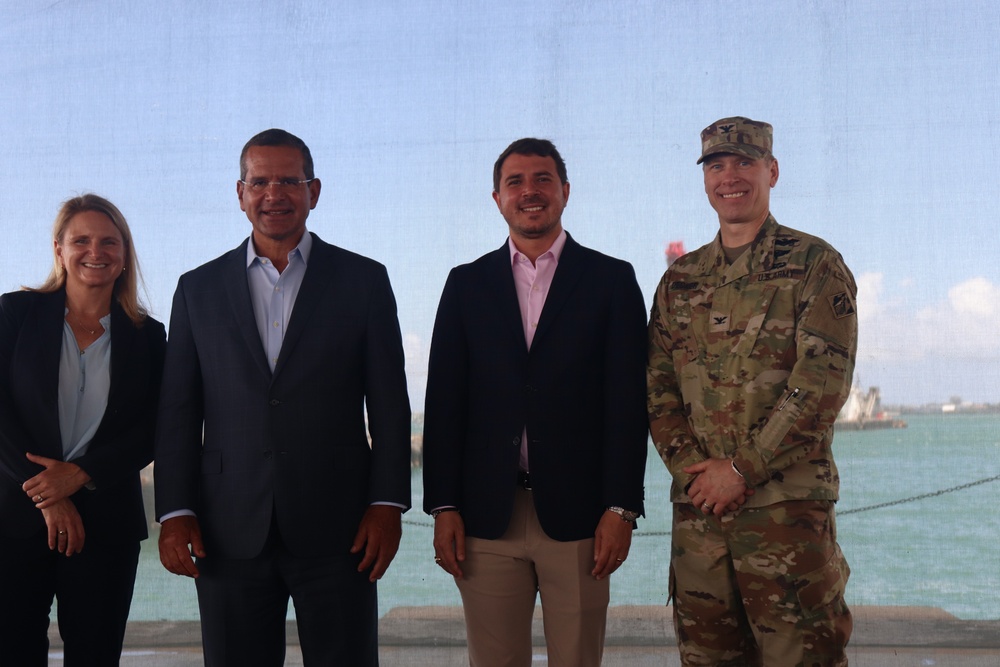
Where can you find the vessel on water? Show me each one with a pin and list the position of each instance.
(863, 412)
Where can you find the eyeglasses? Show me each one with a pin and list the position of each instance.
(259, 185)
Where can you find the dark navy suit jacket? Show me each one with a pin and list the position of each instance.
(236, 442)
(31, 334)
(580, 391)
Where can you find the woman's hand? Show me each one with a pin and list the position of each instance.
(58, 481)
(65, 526)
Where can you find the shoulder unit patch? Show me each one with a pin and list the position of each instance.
(842, 305)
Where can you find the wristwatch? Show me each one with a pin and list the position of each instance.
(625, 514)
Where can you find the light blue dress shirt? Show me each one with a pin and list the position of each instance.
(273, 294)
(84, 383)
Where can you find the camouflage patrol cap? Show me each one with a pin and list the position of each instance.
(736, 135)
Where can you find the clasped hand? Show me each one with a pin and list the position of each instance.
(50, 491)
(717, 487)
(59, 480)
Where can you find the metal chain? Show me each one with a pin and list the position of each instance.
(920, 497)
(868, 508)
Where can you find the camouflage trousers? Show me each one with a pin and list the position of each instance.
(760, 586)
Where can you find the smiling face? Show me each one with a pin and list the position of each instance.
(739, 188)
(92, 251)
(277, 212)
(531, 197)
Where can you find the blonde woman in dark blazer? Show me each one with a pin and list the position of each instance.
(80, 369)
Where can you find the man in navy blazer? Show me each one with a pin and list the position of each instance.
(263, 465)
(535, 432)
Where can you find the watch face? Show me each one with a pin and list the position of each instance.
(624, 513)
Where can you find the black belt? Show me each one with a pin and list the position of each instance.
(524, 480)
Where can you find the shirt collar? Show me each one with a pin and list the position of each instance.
(304, 248)
(555, 249)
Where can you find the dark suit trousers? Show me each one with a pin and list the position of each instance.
(244, 603)
(93, 589)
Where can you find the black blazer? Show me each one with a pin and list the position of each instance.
(580, 391)
(31, 334)
(236, 441)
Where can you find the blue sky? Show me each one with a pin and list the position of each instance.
(886, 129)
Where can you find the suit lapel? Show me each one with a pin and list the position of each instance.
(320, 274)
(238, 291)
(123, 335)
(567, 275)
(45, 352)
(501, 285)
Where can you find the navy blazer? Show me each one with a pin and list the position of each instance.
(236, 441)
(31, 335)
(580, 391)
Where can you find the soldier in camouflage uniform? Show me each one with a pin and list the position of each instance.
(752, 346)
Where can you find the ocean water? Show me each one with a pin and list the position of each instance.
(938, 551)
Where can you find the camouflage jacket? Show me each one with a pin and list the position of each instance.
(753, 362)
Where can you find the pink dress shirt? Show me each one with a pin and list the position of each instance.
(532, 283)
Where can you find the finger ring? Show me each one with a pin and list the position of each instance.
(62, 532)
(437, 559)
(706, 506)
(38, 498)
(620, 560)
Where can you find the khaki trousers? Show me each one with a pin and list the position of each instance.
(501, 579)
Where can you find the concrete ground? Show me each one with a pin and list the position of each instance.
(636, 637)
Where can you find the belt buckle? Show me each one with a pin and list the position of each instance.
(524, 480)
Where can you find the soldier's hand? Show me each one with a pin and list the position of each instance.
(717, 488)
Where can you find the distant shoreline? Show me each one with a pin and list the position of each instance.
(945, 409)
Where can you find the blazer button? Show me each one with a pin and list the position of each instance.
(268, 454)
(274, 402)
(517, 441)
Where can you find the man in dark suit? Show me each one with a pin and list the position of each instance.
(263, 466)
(535, 432)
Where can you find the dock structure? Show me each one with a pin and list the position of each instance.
(637, 636)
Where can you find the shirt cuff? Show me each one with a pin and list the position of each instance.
(175, 514)
(392, 504)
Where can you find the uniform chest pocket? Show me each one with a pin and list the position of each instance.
(749, 316)
(686, 344)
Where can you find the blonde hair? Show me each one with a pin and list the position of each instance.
(126, 286)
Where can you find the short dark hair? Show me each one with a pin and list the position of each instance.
(529, 146)
(276, 137)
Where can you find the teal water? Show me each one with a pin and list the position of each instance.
(939, 551)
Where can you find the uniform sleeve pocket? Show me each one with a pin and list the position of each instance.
(782, 418)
